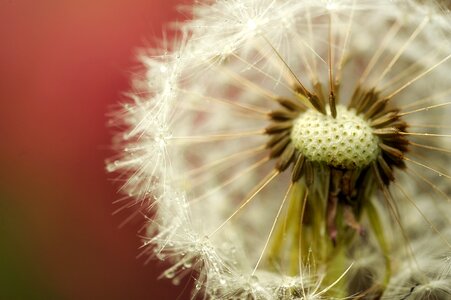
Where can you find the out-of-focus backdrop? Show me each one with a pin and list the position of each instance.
(63, 65)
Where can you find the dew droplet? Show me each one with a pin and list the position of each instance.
(110, 168)
(169, 273)
(176, 281)
(160, 256)
(254, 279)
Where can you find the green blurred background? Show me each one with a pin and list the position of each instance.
(63, 65)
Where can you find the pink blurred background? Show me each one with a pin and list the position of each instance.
(63, 65)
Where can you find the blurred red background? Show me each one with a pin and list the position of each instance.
(63, 64)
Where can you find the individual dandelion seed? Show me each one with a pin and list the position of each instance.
(275, 144)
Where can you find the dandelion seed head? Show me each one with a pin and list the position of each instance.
(272, 147)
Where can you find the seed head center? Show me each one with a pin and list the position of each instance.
(345, 142)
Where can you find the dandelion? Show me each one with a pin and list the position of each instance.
(296, 150)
